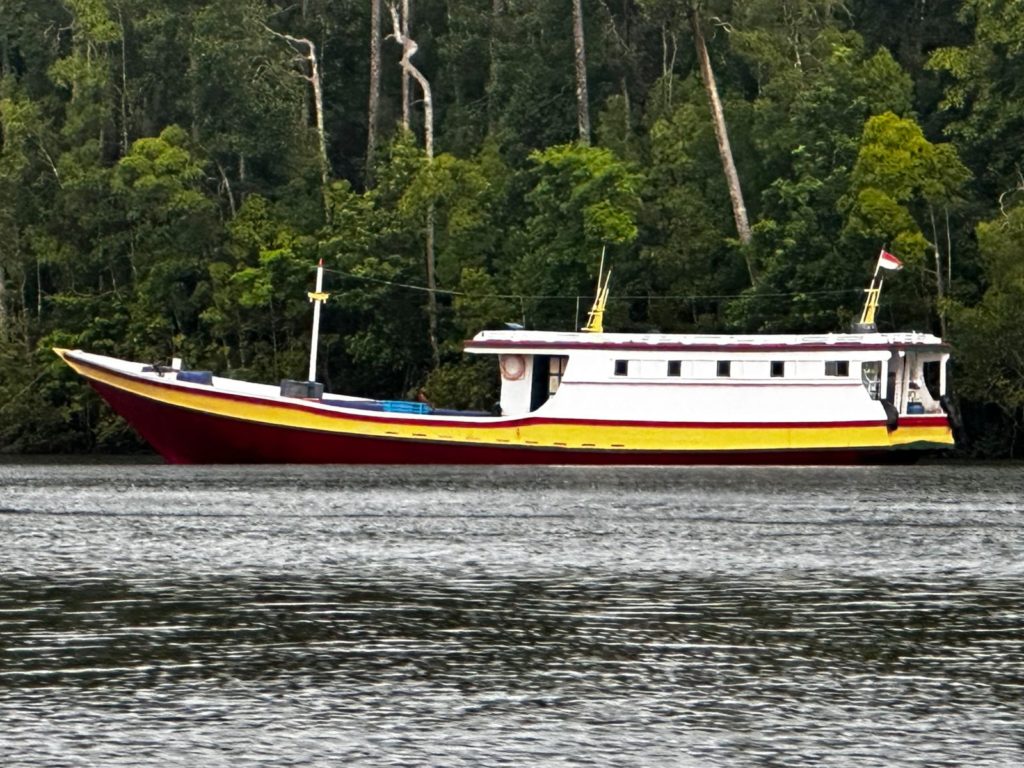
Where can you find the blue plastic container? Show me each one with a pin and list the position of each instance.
(404, 406)
(196, 377)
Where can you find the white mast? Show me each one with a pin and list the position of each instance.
(318, 298)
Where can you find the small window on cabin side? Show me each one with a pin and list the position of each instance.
(556, 370)
(725, 368)
(871, 378)
(675, 367)
(622, 367)
(837, 367)
(778, 369)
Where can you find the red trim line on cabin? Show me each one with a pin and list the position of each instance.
(497, 345)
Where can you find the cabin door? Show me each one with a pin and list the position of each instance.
(894, 382)
(547, 378)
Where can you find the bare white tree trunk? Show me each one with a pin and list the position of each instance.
(669, 42)
(582, 99)
(315, 80)
(124, 86)
(226, 184)
(406, 95)
(318, 101)
(732, 178)
(373, 112)
(409, 49)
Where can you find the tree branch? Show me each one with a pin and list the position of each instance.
(315, 80)
(409, 48)
(1007, 193)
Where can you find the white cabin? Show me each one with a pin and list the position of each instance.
(718, 378)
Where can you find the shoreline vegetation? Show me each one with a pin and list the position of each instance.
(172, 172)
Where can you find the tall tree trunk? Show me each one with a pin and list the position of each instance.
(409, 49)
(406, 23)
(497, 12)
(193, 94)
(669, 51)
(940, 288)
(582, 99)
(318, 101)
(435, 350)
(124, 85)
(315, 80)
(39, 289)
(373, 111)
(739, 208)
(226, 185)
(3, 304)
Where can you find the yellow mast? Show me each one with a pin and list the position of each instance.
(873, 291)
(595, 317)
(867, 316)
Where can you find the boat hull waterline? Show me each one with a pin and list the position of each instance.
(189, 423)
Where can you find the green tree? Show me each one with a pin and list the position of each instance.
(685, 220)
(807, 128)
(256, 317)
(173, 230)
(582, 199)
(989, 340)
(985, 91)
(901, 185)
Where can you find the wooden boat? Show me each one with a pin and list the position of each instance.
(585, 397)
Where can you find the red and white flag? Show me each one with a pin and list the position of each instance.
(887, 261)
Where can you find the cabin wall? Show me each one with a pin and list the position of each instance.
(758, 387)
(739, 383)
(516, 386)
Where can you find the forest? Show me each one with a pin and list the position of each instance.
(172, 171)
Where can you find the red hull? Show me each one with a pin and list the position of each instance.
(185, 436)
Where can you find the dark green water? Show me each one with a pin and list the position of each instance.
(270, 616)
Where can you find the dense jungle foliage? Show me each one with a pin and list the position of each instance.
(164, 190)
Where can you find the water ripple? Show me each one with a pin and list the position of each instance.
(228, 616)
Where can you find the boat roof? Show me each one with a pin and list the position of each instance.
(522, 341)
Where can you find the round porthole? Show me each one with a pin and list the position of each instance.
(513, 367)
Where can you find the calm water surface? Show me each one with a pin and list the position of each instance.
(227, 616)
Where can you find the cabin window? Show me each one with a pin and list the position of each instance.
(556, 370)
(724, 368)
(871, 378)
(837, 367)
(778, 369)
(675, 367)
(622, 367)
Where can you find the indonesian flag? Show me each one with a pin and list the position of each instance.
(887, 261)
